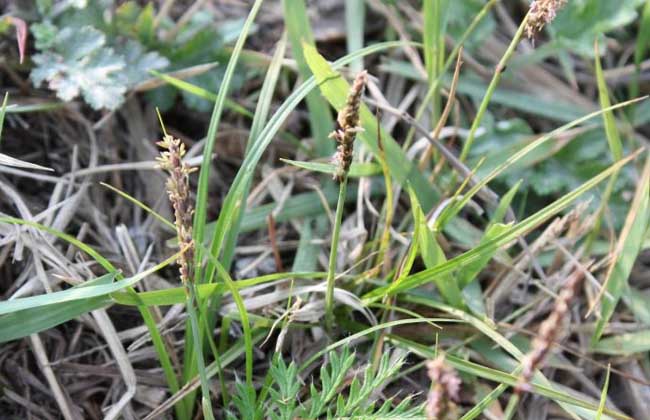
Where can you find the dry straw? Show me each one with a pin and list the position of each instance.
(541, 13)
(348, 127)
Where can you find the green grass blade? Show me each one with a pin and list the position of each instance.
(79, 293)
(627, 249)
(259, 120)
(3, 112)
(643, 38)
(331, 269)
(355, 19)
(500, 68)
(613, 137)
(200, 92)
(233, 199)
(140, 204)
(201, 208)
(299, 30)
(25, 322)
(624, 344)
(204, 174)
(357, 170)
(175, 295)
(243, 315)
(603, 395)
(147, 317)
(435, 27)
(433, 255)
(469, 272)
(502, 239)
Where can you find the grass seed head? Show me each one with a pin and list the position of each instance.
(445, 390)
(178, 190)
(542, 12)
(548, 331)
(348, 127)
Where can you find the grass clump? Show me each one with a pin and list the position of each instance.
(459, 263)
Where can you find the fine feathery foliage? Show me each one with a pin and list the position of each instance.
(341, 391)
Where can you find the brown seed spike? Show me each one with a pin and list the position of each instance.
(348, 127)
(542, 12)
(178, 189)
(548, 331)
(444, 391)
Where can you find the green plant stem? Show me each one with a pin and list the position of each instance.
(331, 272)
(595, 230)
(511, 407)
(198, 348)
(433, 86)
(492, 88)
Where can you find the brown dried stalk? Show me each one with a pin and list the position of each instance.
(445, 390)
(548, 331)
(348, 127)
(541, 13)
(178, 189)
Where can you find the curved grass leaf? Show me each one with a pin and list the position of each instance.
(517, 230)
(629, 245)
(357, 170)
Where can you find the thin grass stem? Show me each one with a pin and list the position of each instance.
(331, 272)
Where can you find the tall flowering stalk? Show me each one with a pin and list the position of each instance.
(344, 135)
(178, 190)
(542, 12)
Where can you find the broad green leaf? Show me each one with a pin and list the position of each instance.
(78, 62)
(578, 23)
